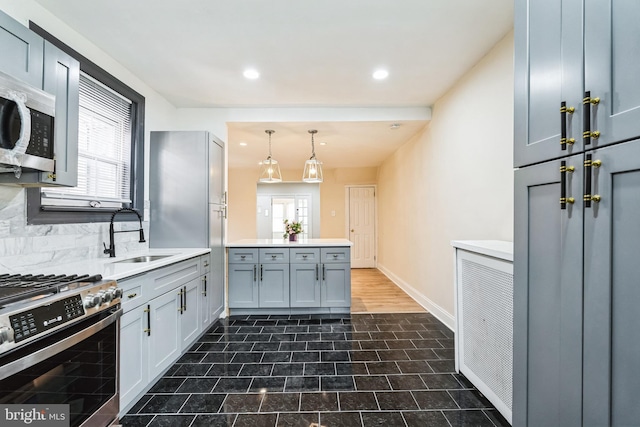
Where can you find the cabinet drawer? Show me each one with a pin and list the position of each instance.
(205, 264)
(335, 254)
(243, 256)
(274, 255)
(133, 292)
(305, 255)
(173, 276)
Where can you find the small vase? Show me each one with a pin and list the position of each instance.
(293, 237)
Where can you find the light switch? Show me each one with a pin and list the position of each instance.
(266, 212)
(333, 213)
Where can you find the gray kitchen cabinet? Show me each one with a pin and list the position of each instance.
(548, 71)
(611, 291)
(273, 288)
(243, 285)
(583, 53)
(336, 285)
(21, 51)
(26, 56)
(205, 301)
(305, 284)
(190, 319)
(163, 316)
(575, 293)
(62, 78)
(134, 375)
(547, 296)
(165, 343)
(258, 285)
(299, 279)
(611, 68)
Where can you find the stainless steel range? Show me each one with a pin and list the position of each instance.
(59, 345)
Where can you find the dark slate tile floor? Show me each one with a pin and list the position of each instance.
(317, 370)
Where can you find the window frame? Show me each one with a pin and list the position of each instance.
(38, 214)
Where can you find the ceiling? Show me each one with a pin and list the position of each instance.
(309, 54)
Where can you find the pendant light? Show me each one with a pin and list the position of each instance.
(312, 167)
(270, 169)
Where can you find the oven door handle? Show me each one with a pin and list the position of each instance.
(19, 365)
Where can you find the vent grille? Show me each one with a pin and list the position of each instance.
(487, 326)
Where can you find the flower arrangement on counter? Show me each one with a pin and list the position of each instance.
(291, 228)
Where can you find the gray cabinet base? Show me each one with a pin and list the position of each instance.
(293, 310)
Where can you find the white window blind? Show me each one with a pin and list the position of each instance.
(104, 150)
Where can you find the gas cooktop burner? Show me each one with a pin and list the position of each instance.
(19, 287)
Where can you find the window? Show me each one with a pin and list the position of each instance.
(104, 151)
(110, 151)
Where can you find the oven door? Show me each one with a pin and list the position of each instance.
(76, 366)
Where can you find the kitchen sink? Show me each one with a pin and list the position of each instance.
(144, 258)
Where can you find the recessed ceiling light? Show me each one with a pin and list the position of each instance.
(380, 74)
(243, 144)
(251, 74)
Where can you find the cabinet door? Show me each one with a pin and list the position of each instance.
(548, 71)
(216, 171)
(305, 285)
(611, 68)
(336, 286)
(165, 345)
(204, 299)
(135, 344)
(547, 306)
(243, 285)
(274, 285)
(611, 291)
(20, 51)
(190, 314)
(61, 78)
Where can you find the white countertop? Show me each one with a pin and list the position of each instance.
(110, 268)
(495, 248)
(270, 243)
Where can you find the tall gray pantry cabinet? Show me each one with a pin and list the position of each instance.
(577, 213)
(186, 193)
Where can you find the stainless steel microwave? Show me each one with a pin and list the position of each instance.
(27, 122)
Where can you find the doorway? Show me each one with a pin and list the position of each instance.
(361, 225)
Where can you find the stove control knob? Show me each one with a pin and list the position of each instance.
(116, 292)
(91, 300)
(6, 334)
(105, 296)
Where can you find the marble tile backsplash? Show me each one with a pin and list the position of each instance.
(25, 248)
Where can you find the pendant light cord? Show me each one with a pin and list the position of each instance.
(313, 145)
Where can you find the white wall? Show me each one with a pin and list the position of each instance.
(453, 181)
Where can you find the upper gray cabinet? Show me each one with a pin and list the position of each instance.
(21, 51)
(611, 69)
(575, 84)
(26, 56)
(548, 73)
(61, 77)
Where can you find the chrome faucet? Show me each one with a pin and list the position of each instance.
(111, 250)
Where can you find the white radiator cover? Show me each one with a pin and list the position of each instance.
(484, 325)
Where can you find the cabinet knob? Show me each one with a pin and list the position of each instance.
(595, 198)
(596, 163)
(132, 296)
(273, 256)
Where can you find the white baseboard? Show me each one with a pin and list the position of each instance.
(441, 314)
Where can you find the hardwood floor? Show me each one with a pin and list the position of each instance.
(373, 292)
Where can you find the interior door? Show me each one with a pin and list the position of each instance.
(611, 291)
(362, 230)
